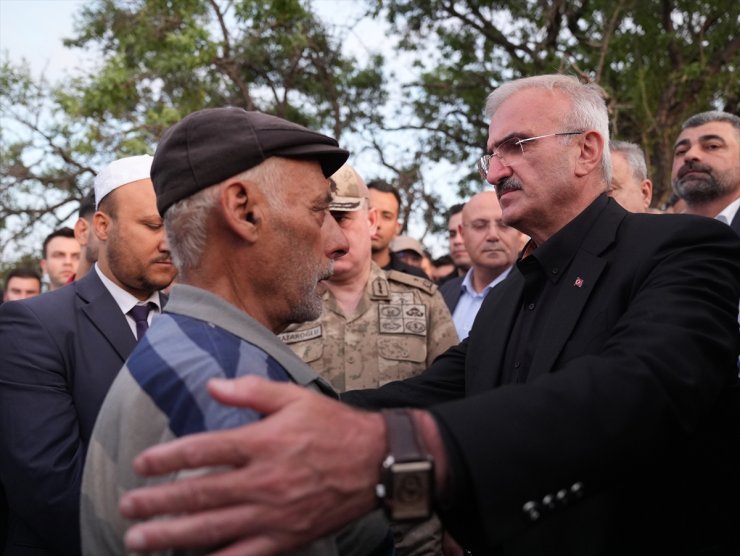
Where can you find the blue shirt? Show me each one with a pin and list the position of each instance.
(470, 301)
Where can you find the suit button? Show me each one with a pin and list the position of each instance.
(577, 489)
(549, 501)
(562, 496)
(530, 508)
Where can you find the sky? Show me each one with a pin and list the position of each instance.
(34, 29)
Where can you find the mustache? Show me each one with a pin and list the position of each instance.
(693, 167)
(327, 272)
(162, 259)
(507, 184)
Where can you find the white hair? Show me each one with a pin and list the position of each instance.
(633, 155)
(185, 221)
(587, 102)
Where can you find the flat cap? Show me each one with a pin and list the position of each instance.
(211, 145)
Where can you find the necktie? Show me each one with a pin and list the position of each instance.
(139, 313)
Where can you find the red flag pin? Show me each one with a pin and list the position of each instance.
(578, 283)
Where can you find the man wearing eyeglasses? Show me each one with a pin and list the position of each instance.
(493, 248)
(581, 416)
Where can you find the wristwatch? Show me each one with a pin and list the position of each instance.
(407, 474)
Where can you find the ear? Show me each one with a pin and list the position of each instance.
(589, 159)
(372, 218)
(398, 227)
(242, 207)
(81, 229)
(647, 192)
(102, 223)
(461, 231)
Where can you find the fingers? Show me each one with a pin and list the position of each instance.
(212, 528)
(264, 396)
(188, 494)
(192, 452)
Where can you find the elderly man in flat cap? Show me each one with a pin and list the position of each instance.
(239, 191)
(60, 353)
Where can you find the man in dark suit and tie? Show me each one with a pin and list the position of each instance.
(60, 353)
(706, 166)
(583, 415)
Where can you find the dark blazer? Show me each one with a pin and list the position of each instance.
(60, 353)
(617, 442)
(735, 224)
(451, 291)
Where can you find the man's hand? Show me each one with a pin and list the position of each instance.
(308, 468)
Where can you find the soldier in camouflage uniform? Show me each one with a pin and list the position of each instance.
(376, 326)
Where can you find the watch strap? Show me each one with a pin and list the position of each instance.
(404, 443)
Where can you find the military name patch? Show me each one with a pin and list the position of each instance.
(300, 335)
(402, 319)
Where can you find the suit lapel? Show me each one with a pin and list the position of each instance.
(573, 294)
(735, 224)
(575, 289)
(101, 310)
(490, 333)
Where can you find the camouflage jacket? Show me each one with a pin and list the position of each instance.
(400, 326)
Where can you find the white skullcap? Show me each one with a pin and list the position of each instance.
(120, 172)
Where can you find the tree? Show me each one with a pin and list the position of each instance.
(161, 60)
(45, 167)
(659, 62)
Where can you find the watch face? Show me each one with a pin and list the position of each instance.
(411, 495)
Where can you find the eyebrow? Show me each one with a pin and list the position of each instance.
(702, 139)
(516, 134)
(324, 201)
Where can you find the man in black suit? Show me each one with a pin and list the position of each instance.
(582, 416)
(706, 166)
(60, 353)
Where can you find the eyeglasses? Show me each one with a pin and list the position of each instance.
(508, 151)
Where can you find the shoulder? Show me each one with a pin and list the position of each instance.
(679, 227)
(451, 285)
(423, 284)
(46, 306)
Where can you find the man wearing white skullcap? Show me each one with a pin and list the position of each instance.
(61, 353)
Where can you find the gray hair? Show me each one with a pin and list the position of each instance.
(634, 155)
(587, 100)
(185, 221)
(712, 116)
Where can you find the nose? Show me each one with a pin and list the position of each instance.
(335, 242)
(693, 152)
(497, 171)
(164, 244)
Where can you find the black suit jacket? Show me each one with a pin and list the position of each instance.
(60, 353)
(735, 224)
(451, 291)
(618, 442)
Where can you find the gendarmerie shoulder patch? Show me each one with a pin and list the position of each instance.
(410, 280)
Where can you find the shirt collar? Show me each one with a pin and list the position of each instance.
(729, 212)
(555, 254)
(124, 299)
(467, 283)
